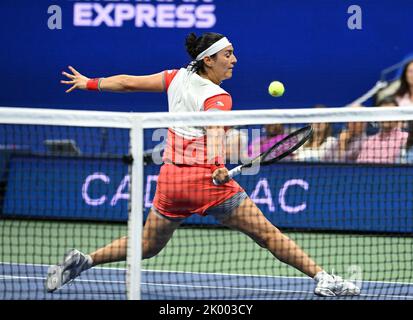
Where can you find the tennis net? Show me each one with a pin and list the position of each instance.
(80, 179)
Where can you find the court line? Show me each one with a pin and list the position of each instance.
(267, 276)
(211, 273)
(223, 288)
(7, 277)
(269, 290)
(157, 284)
(206, 287)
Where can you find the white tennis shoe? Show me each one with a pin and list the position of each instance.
(334, 286)
(74, 263)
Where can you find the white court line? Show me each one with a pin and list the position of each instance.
(48, 265)
(211, 273)
(267, 276)
(266, 290)
(225, 288)
(6, 277)
(156, 284)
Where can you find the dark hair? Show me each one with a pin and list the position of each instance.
(329, 130)
(195, 45)
(404, 86)
(387, 100)
(327, 133)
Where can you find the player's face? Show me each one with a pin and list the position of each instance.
(224, 63)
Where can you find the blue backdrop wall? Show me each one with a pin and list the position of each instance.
(291, 195)
(308, 45)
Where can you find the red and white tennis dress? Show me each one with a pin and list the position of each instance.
(185, 184)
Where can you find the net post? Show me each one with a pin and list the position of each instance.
(134, 254)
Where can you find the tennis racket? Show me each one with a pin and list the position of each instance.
(277, 152)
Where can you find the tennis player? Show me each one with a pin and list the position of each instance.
(193, 89)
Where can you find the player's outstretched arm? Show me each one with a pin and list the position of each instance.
(119, 83)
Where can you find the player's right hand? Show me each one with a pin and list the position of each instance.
(77, 80)
(220, 176)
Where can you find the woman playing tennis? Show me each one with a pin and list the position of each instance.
(193, 89)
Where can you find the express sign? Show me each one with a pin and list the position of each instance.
(151, 14)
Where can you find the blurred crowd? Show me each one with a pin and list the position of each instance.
(354, 142)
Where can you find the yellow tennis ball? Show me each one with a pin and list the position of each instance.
(276, 89)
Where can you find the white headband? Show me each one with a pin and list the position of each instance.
(214, 48)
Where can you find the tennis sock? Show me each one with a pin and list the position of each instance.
(320, 275)
(89, 262)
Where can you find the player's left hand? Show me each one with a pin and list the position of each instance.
(77, 80)
(220, 176)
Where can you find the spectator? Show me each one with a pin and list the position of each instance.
(404, 95)
(273, 134)
(406, 153)
(320, 146)
(386, 145)
(349, 142)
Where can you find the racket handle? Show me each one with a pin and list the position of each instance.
(234, 172)
(231, 173)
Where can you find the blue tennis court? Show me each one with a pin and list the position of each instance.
(26, 282)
